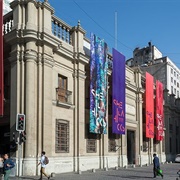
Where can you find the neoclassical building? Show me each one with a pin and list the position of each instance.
(46, 68)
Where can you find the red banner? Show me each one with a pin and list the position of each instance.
(159, 111)
(1, 61)
(149, 106)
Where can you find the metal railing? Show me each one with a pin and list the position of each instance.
(61, 30)
(7, 22)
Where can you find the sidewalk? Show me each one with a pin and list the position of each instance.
(140, 173)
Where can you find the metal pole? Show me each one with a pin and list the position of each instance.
(19, 155)
(116, 30)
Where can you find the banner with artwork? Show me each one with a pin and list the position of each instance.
(98, 85)
(1, 61)
(118, 93)
(159, 111)
(149, 106)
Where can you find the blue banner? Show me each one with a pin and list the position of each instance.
(98, 85)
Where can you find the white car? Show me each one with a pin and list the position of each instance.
(177, 159)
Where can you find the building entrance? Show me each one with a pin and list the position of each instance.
(131, 147)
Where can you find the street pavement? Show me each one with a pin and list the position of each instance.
(141, 173)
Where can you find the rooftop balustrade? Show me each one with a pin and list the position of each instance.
(7, 22)
(61, 30)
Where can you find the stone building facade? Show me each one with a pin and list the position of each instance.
(47, 79)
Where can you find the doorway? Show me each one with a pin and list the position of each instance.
(131, 146)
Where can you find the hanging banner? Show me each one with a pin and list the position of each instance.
(1, 62)
(118, 94)
(149, 106)
(159, 111)
(98, 85)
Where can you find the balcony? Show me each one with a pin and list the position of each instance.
(7, 23)
(64, 98)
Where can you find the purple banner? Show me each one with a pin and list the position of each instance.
(118, 96)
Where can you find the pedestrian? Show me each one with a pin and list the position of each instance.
(43, 165)
(8, 165)
(156, 166)
(1, 168)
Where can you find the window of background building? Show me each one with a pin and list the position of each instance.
(178, 76)
(177, 84)
(171, 70)
(174, 82)
(174, 73)
(177, 93)
(171, 79)
(171, 89)
(62, 136)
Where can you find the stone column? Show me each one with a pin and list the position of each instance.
(47, 120)
(30, 74)
(31, 100)
(31, 11)
(139, 118)
(78, 96)
(124, 150)
(15, 89)
(39, 102)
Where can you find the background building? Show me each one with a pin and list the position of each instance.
(150, 59)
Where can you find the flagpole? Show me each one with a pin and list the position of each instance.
(115, 30)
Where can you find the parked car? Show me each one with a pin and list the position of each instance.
(177, 159)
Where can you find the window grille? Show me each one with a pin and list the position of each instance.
(91, 140)
(112, 145)
(62, 136)
(91, 145)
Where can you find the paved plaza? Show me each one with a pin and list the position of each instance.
(141, 173)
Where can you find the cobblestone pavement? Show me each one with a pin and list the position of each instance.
(141, 173)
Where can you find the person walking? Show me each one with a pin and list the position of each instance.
(43, 165)
(156, 166)
(1, 168)
(8, 165)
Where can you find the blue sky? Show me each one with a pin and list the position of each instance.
(138, 22)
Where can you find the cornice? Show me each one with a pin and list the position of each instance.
(83, 58)
(131, 87)
(30, 55)
(60, 49)
(79, 74)
(48, 60)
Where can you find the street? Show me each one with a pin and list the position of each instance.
(141, 173)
